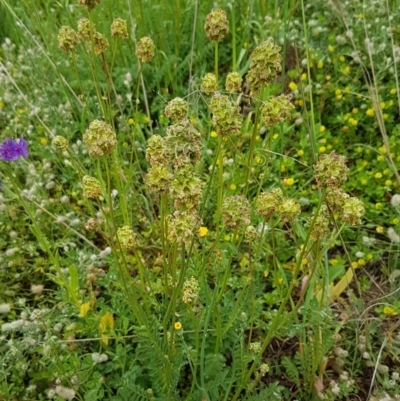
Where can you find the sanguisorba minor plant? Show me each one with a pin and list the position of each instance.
(195, 266)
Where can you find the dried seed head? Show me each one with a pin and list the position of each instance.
(288, 210)
(183, 226)
(276, 110)
(236, 212)
(264, 66)
(67, 39)
(158, 179)
(267, 203)
(176, 110)
(217, 24)
(157, 152)
(100, 138)
(353, 210)
(145, 49)
(91, 187)
(331, 171)
(100, 43)
(226, 117)
(186, 188)
(233, 82)
(119, 29)
(89, 4)
(84, 29)
(126, 237)
(60, 143)
(209, 84)
(320, 228)
(191, 290)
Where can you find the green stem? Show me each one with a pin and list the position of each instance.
(216, 59)
(220, 192)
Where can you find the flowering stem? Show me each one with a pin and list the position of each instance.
(252, 145)
(216, 59)
(137, 89)
(220, 192)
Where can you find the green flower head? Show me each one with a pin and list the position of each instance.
(217, 24)
(265, 64)
(331, 171)
(100, 138)
(67, 39)
(145, 49)
(91, 187)
(267, 203)
(236, 212)
(176, 110)
(276, 110)
(233, 82)
(226, 117)
(119, 29)
(209, 84)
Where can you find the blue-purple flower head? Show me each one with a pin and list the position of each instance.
(12, 149)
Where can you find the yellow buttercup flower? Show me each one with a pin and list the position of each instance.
(178, 326)
(203, 231)
(292, 86)
(389, 311)
(380, 229)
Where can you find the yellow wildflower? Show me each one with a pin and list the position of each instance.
(379, 229)
(288, 182)
(389, 311)
(232, 187)
(300, 152)
(178, 326)
(213, 134)
(331, 49)
(378, 175)
(292, 86)
(203, 231)
(370, 112)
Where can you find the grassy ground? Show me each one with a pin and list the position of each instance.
(175, 235)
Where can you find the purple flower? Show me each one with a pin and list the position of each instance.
(12, 149)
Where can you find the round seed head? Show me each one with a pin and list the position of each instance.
(217, 24)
